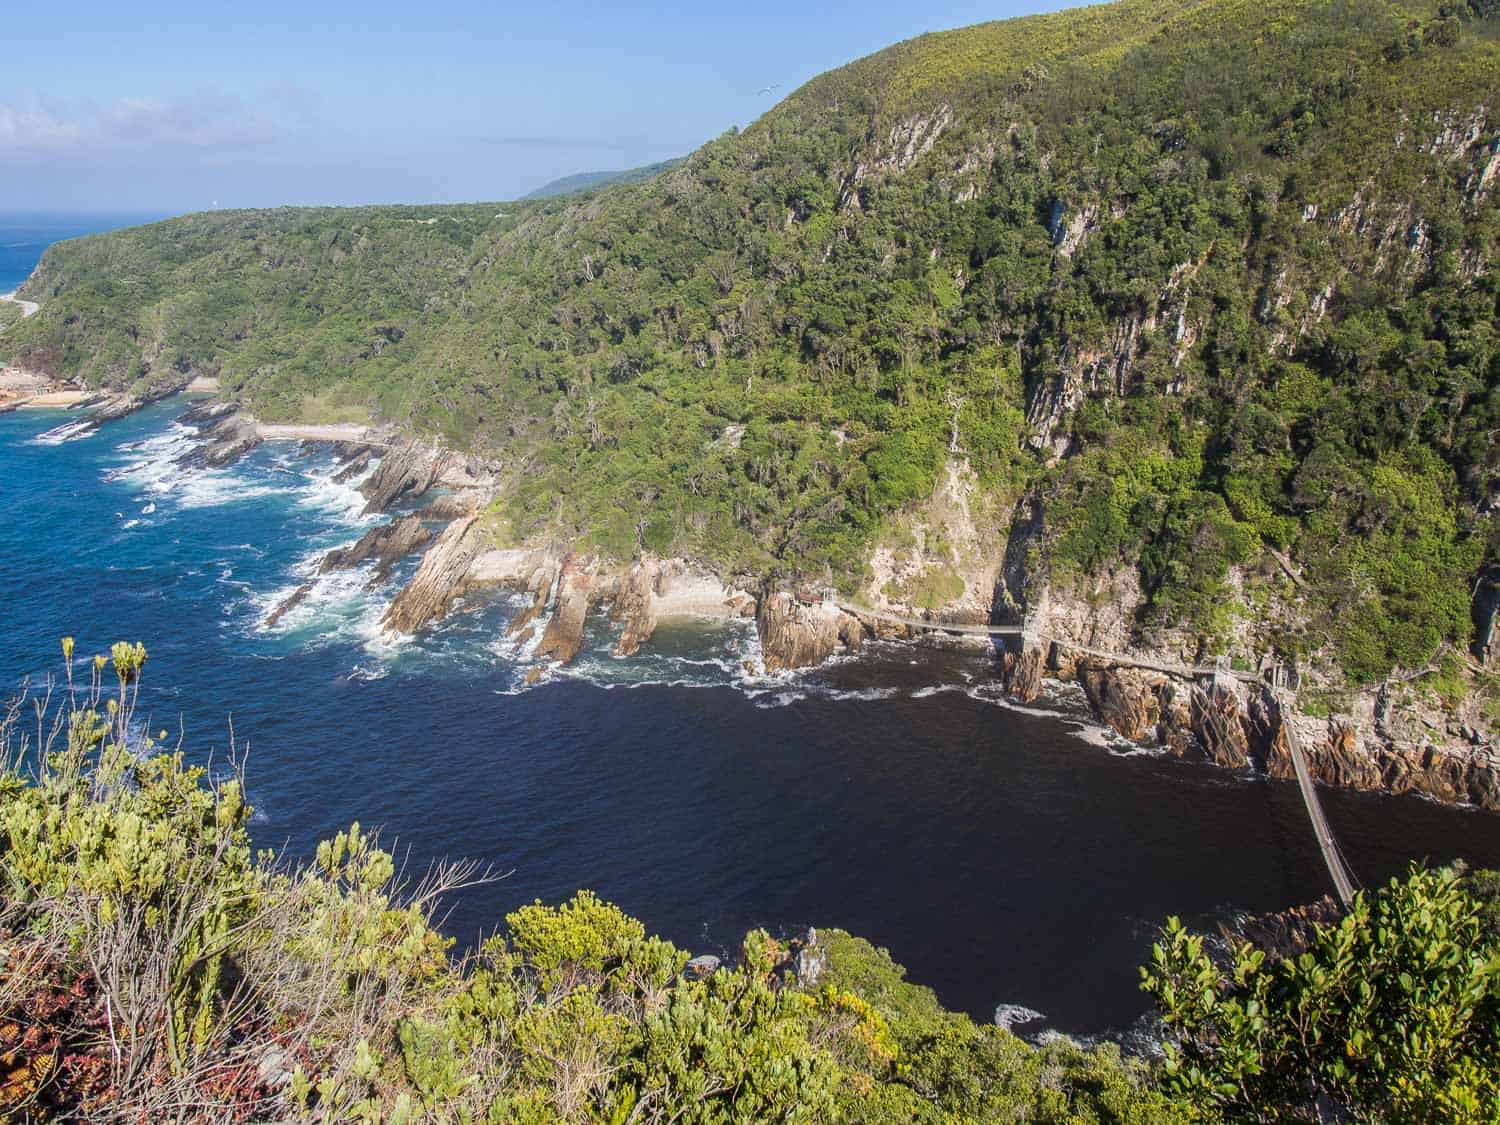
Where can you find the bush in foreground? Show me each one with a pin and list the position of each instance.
(154, 967)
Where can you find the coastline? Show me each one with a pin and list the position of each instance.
(1378, 742)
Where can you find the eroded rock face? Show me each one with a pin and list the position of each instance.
(406, 470)
(1125, 698)
(1023, 673)
(795, 634)
(562, 640)
(388, 544)
(1218, 722)
(440, 579)
(635, 608)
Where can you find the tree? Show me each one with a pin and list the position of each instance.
(1393, 1013)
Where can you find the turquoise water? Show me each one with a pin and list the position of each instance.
(24, 237)
(1006, 855)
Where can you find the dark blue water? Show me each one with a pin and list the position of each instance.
(1003, 855)
(24, 237)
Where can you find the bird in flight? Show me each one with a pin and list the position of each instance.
(767, 89)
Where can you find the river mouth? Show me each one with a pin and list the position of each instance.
(1004, 854)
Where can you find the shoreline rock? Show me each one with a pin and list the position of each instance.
(440, 579)
(562, 639)
(387, 544)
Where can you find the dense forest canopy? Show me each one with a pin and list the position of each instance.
(1200, 279)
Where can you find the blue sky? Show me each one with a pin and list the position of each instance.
(176, 106)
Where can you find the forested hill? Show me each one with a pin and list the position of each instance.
(587, 181)
(1164, 289)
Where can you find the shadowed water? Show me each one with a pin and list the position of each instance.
(1003, 854)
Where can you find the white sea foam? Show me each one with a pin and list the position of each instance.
(68, 431)
(1011, 1016)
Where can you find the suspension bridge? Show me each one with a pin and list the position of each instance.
(1344, 883)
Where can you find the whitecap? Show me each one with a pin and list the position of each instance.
(1010, 1016)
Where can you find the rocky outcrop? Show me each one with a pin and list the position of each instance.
(297, 597)
(225, 438)
(1125, 698)
(387, 544)
(408, 470)
(439, 581)
(1024, 670)
(562, 640)
(353, 459)
(635, 610)
(800, 634)
(1217, 714)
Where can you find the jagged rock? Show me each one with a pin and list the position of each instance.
(1174, 724)
(225, 442)
(634, 608)
(534, 676)
(562, 640)
(452, 505)
(543, 578)
(1217, 720)
(1023, 673)
(1125, 698)
(354, 464)
(795, 634)
(1265, 727)
(290, 603)
(405, 470)
(439, 580)
(206, 414)
(388, 544)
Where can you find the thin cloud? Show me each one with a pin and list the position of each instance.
(209, 121)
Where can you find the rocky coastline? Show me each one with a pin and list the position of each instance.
(1384, 739)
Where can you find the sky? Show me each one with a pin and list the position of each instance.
(164, 106)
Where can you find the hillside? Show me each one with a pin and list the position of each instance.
(1171, 324)
(586, 181)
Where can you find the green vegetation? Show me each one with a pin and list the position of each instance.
(587, 181)
(1394, 1012)
(1204, 278)
(154, 967)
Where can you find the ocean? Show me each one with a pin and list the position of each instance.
(24, 237)
(1004, 854)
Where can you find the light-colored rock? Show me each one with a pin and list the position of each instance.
(796, 634)
(562, 640)
(440, 579)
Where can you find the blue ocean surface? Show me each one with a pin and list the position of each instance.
(23, 238)
(1004, 854)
